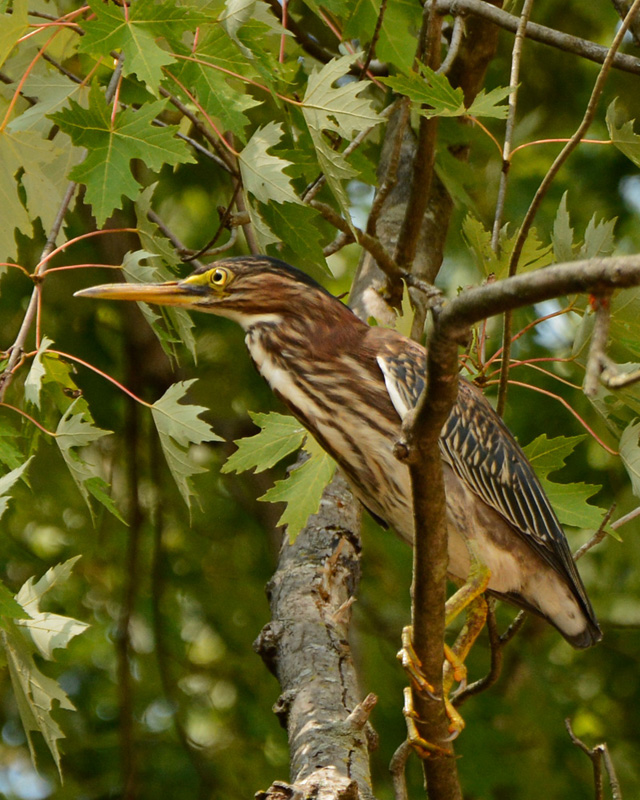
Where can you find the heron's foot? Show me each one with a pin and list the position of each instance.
(423, 748)
(412, 665)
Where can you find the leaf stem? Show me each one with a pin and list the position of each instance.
(27, 416)
(103, 375)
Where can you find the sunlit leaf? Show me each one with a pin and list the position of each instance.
(7, 482)
(179, 427)
(41, 632)
(33, 381)
(262, 173)
(339, 110)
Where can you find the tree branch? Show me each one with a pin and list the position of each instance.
(305, 646)
(420, 449)
(539, 33)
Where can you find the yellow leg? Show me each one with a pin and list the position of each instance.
(422, 747)
(469, 598)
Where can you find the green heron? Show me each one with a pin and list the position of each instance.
(351, 385)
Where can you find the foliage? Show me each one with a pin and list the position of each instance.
(163, 112)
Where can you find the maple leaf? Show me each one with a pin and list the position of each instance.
(262, 173)
(76, 430)
(24, 634)
(179, 427)
(134, 32)
(280, 434)
(569, 500)
(111, 144)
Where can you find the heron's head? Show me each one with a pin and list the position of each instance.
(247, 289)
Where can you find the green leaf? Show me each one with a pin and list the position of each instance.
(33, 381)
(280, 435)
(135, 33)
(179, 427)
(562, 236)
(6, 483)
(111, 144)
(569, 500)
(13, 27)
(534, 253)
(262, 174)
(429, 88)
(623, 136)
(302, 489)
(398, 23)
(218, 92)
(169, 324)
(630, 454)
(339, 110)
(486, 104)
(76, 430)
(598, 238)
(9, 606)
(300, 237)
(42, 631)
(34, 692)
(10, 455)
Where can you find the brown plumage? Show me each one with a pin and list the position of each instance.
(350, 385)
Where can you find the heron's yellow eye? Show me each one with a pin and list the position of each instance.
(219, 277)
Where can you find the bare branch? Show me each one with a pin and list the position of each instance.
(514, 80)
(597, 537)
(545, 185)
(539, 33)
(598, 755)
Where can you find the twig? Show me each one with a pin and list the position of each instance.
(539, 33)
(597, 537)
(514, 80)
(397, 769)
(497, 646)
(598, 755)
(454, 45)
(424, 158)
(421, 432)
(374, 40)
(544, 187)
(370, 243)
(627, 518)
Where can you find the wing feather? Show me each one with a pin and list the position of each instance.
(484, 454)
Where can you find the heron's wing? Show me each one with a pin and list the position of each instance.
(484, 455)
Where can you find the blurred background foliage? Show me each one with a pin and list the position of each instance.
(188, 711)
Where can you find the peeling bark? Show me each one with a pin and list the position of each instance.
(305, 645)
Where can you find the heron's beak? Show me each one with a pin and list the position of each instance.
(172, 293)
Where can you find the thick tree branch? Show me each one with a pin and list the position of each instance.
(306, 647)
